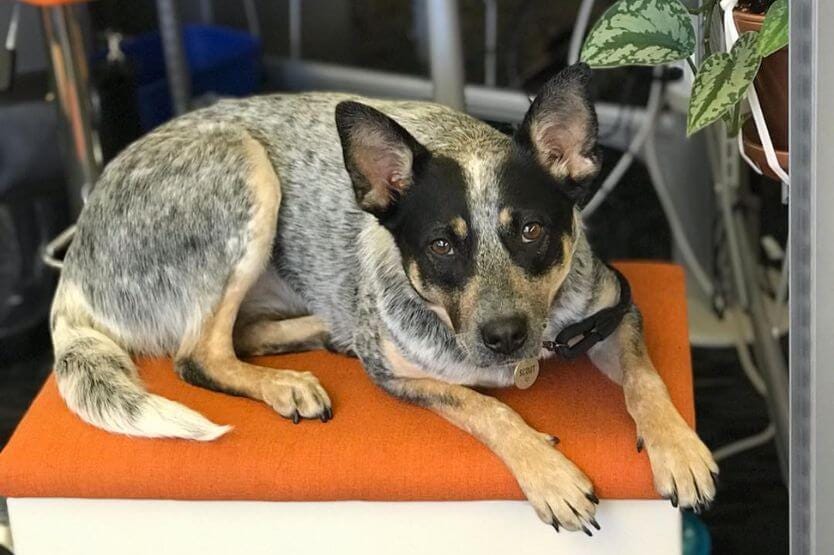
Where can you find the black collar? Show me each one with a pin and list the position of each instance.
(578, 338)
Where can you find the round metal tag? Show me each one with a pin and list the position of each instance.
(525, 373)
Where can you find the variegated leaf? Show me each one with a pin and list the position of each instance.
(774, 33)
(640, 32)
(722, 81)
(734, 119)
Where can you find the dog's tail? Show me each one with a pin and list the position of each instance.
(99, 382)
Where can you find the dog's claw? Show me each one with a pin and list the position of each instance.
(326, 414)
(592, 498)
(674, 497)
(639, 444)
(553, 485)
(295, 395)
(698, 497)
(582, 524)
(578, 516)
(594, 523)
(701, 506)
(572, 509)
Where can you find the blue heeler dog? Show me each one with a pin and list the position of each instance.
(438, 250)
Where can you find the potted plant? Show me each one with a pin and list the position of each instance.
(771, 85)
(654, 32)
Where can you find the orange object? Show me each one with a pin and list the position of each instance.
(52, 3)
(375, 448)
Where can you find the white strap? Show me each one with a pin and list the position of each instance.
(730, 37)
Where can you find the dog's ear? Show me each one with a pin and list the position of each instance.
(560, 130)
(380, 155)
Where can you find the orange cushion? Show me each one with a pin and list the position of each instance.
(375, 448)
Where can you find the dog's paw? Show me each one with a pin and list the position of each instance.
(297, 395)
(561, 494)
(683, 467)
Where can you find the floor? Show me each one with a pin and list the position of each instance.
(750, 514)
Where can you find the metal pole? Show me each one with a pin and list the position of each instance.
(490, 42)
(726, 189)
(70, 75)
(252, 19)
(176, 64)
(446, 53)
(583, 17)
(812, 265)
(769, 354)
(488, 103)
(295, 29)
(206, 12)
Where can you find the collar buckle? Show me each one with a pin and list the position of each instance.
(577, 339)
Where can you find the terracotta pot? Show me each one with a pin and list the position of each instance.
(772, 87)
(755, 151)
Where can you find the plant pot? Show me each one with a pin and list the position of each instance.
(755, 151)
(772, 88)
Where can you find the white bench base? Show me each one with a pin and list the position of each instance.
(126, 527)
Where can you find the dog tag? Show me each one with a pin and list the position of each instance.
(525, 373)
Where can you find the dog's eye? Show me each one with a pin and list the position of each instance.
(531, 231)
(441, 247)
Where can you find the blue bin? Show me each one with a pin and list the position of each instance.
(221, 60)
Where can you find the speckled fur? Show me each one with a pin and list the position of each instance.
(165, 223)
(168, 226)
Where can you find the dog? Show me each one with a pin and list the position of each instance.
(438, 250)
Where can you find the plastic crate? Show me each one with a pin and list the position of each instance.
(221, 60)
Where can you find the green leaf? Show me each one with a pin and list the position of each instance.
(774, 33)
(640, 32)
(722, 81)
(735, 120)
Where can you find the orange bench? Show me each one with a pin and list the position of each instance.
(375, 449)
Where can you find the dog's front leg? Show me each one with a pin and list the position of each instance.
(560, 493)
(683, 467)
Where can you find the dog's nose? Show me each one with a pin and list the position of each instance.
(505, 335)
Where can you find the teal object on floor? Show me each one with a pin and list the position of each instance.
(696, 538)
